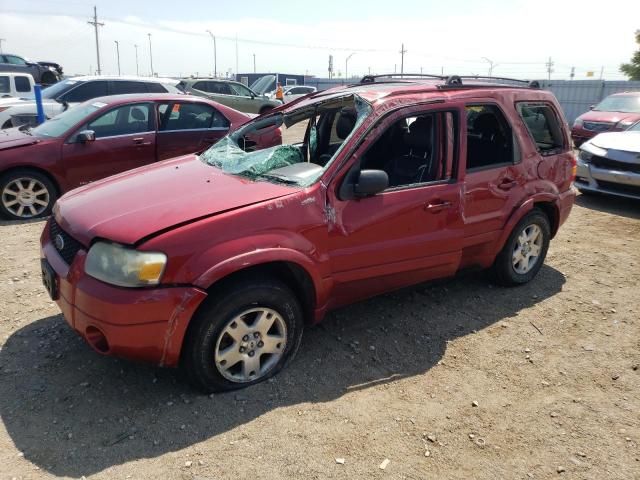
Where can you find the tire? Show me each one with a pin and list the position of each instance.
(506, 271)
(47, 79)
(208, 341)
(264, 110)
(26, 194)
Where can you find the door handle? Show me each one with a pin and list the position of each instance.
(138, 140)
(507, 184)
(438, 206)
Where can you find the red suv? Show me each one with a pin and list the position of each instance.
(217, 262)
(615, 113)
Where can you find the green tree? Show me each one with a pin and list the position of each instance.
(632, 69)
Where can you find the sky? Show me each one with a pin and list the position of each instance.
(457, 37)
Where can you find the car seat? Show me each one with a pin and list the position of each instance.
(416, 165)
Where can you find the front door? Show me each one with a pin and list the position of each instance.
(412, 231)
(125, 139)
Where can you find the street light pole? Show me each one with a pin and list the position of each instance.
(150, 54)
(346, 66)
(215, 54)
(491, 65)
(137, 72)
(118, 54)
(254, 63)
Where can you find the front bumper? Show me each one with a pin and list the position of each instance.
(612, 182)
(145, 324)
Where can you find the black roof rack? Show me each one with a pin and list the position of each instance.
(455, 81)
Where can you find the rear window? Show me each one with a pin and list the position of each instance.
(22, 84)
(543, 125)
(4, 85)
(119, 87)
(157, 88)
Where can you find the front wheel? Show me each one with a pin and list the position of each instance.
(525, 250)
(26, 194)
(243, 335)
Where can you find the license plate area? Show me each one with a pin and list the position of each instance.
(49, 279)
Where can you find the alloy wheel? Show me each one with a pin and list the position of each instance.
(250, 345)
(25, 197)
(527, 249)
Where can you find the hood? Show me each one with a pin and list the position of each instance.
(13, 137)
(624, 141)
(13, 101)
(612, 117)
(133, 205)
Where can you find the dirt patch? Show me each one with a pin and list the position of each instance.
(457, 380)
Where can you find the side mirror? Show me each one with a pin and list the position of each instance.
(591, 107)
(86, 136)
(371, 182)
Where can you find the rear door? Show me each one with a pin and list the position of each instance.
(188, 127)
(494, 178)
(125, 139)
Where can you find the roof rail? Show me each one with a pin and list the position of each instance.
(453, 81)
(400, 76)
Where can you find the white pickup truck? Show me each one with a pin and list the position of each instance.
(13, 84)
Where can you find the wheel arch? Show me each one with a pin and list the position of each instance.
(41, 171)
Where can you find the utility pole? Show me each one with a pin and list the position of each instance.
(346, 66)
(96, 24)
(2, 40)
(330, 67)
(573, 73)
(254, 63)
(402, 52)
(118, 54)
(236, 57)
(549, 66)
(137, 72)
(150, 54)
(601, 72)
(215, 54)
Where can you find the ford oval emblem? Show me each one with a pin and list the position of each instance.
(58, 241)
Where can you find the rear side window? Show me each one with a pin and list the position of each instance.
(490, 140)
(4, 85)
(22, 84)
(189, 116)
(86, 91)
(156, 88)
(122, 87)
(543, 125)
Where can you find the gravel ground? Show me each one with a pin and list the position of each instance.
(456, 380)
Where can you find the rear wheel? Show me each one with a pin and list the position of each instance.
(264, 110)
(26, 194)
(525, 250)
(48, 78)
(243, 335)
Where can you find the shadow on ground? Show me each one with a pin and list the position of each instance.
(624, 207)
(73, 413)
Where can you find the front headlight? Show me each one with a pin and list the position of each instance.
(578, 122)
(585, 156)
(123, 266)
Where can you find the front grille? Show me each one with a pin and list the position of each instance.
(597, 126)
(60, 238)
(608, 164)
(620, 188)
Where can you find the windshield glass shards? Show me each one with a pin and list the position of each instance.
(309, 137)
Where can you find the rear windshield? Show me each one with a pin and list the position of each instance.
(293, 147)
(620, 103)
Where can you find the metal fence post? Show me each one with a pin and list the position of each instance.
(37, 90)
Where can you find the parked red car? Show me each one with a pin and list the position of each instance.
(102, 137)
(615, 113)
(217, 262)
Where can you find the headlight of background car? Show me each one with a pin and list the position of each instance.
(584, 156)
(578, 122)
(624, 124)
(123, 266)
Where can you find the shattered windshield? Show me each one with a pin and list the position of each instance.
(293, 147)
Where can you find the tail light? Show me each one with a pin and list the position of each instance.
(574, 167)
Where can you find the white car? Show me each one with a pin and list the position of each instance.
(292, 92)
(59, 97)
(610, 163)
(13, 84)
